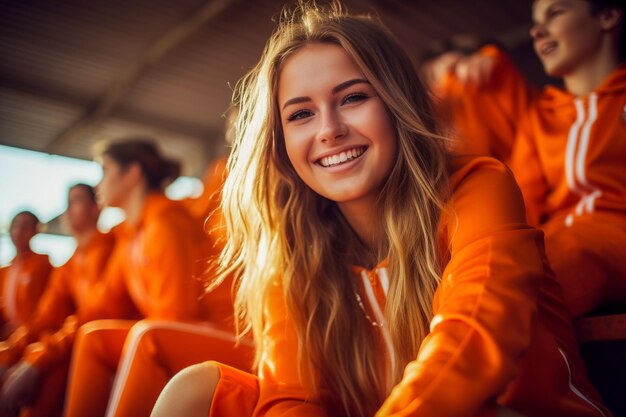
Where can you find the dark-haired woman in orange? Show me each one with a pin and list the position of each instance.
(155, 273)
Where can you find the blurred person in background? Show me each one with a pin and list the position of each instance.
(155, 274)
(34, 361)
(22, 281)
(567, 144)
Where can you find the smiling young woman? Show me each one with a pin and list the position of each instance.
(378, 274)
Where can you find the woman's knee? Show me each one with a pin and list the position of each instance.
(189, 393)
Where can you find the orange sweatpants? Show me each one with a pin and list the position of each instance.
(156, 350)
(589, 260)
(153, 351)
(97, 352)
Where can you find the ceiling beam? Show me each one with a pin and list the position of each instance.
(120, 87)
(57, 98)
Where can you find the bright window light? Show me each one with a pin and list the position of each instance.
(39, 182)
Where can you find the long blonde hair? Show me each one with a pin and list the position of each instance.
(280, 231)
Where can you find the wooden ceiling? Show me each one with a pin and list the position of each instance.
(74, 72)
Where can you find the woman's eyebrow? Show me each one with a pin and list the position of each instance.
(347, 84)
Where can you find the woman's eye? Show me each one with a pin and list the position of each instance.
(353, 98)
(300, 114)
(553, 13)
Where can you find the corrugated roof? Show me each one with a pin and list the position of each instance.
(60, 61)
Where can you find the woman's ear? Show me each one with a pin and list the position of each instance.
(134, 173)
(611, 18)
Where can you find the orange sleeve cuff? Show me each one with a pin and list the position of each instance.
(53, 349)
(11, 349)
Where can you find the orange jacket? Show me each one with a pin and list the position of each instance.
(570, 151)
(68, 288)
(157, 268)
(499, 329)
(21, 284)
(484, 118)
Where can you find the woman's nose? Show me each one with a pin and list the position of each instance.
(537, 31)
(332, 126)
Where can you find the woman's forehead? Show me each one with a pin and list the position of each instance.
(315, 66)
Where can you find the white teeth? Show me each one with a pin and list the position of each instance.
(547, 48)
(342, 157)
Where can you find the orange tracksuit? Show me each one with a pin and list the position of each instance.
(21, 284)
(569, 161)
(156, 350)
(568, 157)
(162, 261)
(483, 119)
(69, 286)
(499, 333)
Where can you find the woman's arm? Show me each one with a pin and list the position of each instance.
(281, 391)
(485, 303)
(483, 96)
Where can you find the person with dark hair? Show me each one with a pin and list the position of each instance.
(155, 274)
(34, 360)
(379, 274)
(568, 148)
(22, 281)
(156, 350)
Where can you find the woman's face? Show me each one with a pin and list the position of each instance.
(565, 34)
(115, 185)
(338, 133)
(82, 212)
(23, 228)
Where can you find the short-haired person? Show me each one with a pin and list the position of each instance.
(568, 147)
(22, 281)
(34, 360)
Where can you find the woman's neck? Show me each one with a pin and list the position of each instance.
(134, 204)
(362, 218)
(84, 236)
(23, 252)
(588, 77)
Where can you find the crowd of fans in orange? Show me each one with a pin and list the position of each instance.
(340, 169)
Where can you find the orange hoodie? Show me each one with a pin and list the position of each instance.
(570, 151)
(21, 284)
(499, 332)
(157, 268)
(68, 288)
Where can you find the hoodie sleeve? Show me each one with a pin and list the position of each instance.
(53, 348)
(529, 174)
(53, 307)
(484, 305)
(485, 117)
(281, 391)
